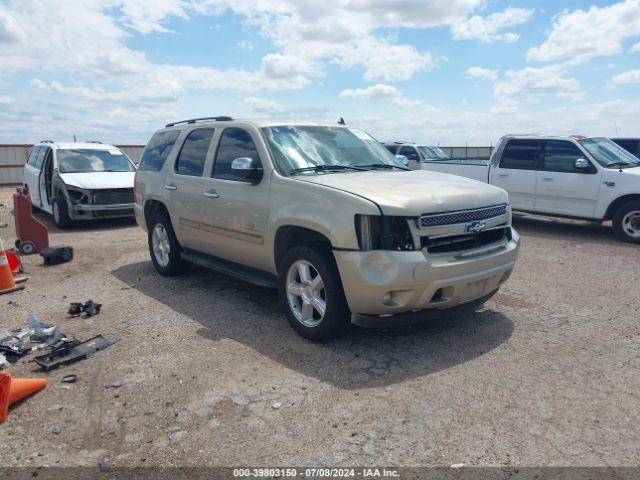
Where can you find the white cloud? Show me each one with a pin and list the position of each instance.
(632, 76)
(581, 35)
(10, 30)
(260, 105)
(246, 46)
(381, 92)
(635, 48)
(533, 83)
(486, 29)
(483, 73)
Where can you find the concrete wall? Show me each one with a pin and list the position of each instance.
(13, 158)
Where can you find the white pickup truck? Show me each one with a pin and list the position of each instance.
(574, 177)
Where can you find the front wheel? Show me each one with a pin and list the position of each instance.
(626, 222)
(60, 212)
(312, 294)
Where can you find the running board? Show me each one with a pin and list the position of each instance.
(242, 272)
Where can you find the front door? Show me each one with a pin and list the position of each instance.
(563, 189)
(184, 187)
(235, 212)
(516, 172)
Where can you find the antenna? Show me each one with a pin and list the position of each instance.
(74, 139)
(341, 121)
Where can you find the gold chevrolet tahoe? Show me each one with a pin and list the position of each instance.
(325, 214)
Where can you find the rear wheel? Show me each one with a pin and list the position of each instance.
(60, 212)
(164, 247)
(312, 294)
(626, 222)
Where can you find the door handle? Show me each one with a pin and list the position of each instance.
(547, 179)
(503, 175)
(170, 186)
(211, 194)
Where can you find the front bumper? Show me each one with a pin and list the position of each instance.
(87, 211)
(384, 282)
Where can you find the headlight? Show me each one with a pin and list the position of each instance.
(77, 195)
(383, 233)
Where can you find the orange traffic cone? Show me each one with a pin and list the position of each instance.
(14, 389)
(7, 284)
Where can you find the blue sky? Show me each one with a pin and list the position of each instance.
(443, 72)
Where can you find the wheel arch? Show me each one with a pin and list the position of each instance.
(152, 207)
(289, 236)
(619, 202)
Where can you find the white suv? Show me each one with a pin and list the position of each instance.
(79, 181)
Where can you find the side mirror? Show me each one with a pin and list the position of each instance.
(402, 160)
(582, 164)
(247, 169)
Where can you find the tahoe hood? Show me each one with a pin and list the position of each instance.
(413, 193)
(98, 180)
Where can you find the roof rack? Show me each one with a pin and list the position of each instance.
(47, 141)
(94, 141)
(202, 119)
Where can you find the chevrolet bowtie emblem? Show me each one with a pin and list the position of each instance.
(474, 227)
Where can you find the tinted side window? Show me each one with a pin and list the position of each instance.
(561, 156)
(234, 143)
(40, 158)
(33, 155)
(157, 150)
(391, 148)
(409, 152)
(194, 152)
(520, 155)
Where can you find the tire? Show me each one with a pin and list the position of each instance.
(626, 222)
(298, 295)
(60, 212)
(27, 248)
(165, 256)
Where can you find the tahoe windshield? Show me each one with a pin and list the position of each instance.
(433, 152)
(316, 149)
(87, 160)
(609, 154)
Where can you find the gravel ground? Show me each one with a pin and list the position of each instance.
(207, 371)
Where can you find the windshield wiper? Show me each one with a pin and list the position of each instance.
(620, 164)
(325, 168)
(386, 166)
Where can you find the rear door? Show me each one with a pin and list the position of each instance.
(516, 172)
(235, 212)
(32, 172)
(561, 188)
(184, 185)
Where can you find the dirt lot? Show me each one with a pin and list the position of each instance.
(208, 372)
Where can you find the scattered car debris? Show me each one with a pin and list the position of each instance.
(46, 335)
(57, 254)
(74, 351)
(71, 378)
(114, 385)
(4, 363)
(105, 465)
(15, 345)
(86, 309)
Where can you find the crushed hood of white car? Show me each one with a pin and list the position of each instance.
(413, 193)
(98, 180)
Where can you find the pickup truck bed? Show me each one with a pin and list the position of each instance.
(476, 169)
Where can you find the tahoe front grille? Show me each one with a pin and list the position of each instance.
(462, 216)
(114, 196)
(467, 241)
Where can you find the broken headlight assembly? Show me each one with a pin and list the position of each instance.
(78, 196)
(381, 232)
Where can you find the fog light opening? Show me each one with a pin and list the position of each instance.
(437, 297)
